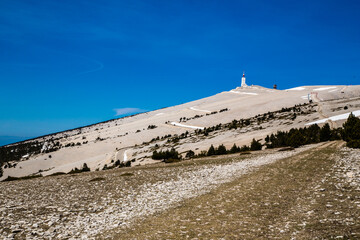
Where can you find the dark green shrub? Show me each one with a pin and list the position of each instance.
(255, 145)
(97, 179)
(163, 155)
(221, 150)
(234, 149)
(295, 139)
(325, 133)
(190, 154)
(57, 174)
(127, 174)
(244, 148)
(170, 160)
(85, 168)
(75, 170)
(351, 128)
(211, 151)
(353, 144)
(9, 178)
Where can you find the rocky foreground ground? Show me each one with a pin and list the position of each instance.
(312, 192)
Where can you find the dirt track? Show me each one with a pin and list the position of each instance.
(307, 196)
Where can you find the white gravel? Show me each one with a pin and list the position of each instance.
(112, 212)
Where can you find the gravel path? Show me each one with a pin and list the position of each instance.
(72, 207)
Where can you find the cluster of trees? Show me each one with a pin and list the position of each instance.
(299, 109)
(77, 144)
(166, 155)
(296, 108)
(314, 134)
(177, 138)
(260, 118)
(238, 123)
(15, 152)
(152, 127)
(122, 164)
(208, 130)
(221, 149)
(117, 164)
(184, 119)
(159, 138)
(297, 137)
(351, 131)
(84, 168)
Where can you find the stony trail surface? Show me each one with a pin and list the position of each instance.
(85, 206)
(312, 195)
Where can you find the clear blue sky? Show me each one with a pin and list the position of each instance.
(64, 64)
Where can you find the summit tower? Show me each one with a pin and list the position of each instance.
(243, 79)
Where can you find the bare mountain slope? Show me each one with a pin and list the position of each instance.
(134, 138)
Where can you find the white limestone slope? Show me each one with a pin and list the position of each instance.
(108, 141)
(335, 118)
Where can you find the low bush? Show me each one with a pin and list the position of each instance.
(127, 174)
(353, 144)
(97, 179)
(57, 174)
(9, 178)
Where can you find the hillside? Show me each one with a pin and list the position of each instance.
(308, 193)
(263, 111)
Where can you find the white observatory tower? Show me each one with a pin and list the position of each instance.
(243, 79)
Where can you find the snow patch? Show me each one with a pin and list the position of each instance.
(196, 109)
(296, 89)
(336, 118)
(246, 93)
(186, 126)
(159, 114)
(125, 159)
(333, 90)
(323, 88)
(304, 97)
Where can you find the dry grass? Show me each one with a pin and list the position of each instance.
(290, 198)
(304, 196)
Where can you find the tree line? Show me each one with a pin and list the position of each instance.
(295, 137)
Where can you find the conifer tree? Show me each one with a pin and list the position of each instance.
(255, 145)
(351, 128)
(234, 149)
(211, 151)
(325, 133)
(221, 150)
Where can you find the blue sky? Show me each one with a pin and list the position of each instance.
(64, 64)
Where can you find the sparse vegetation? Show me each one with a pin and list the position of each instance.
(255, 145)
(190, 154)
(152, 127)
(97, 179)
(127, 174)
(85, 168)
(57, 174)
(9, 178)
